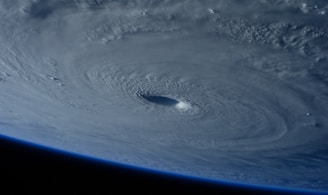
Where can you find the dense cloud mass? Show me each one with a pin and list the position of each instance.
(226, 90)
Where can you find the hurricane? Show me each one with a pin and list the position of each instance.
(224, 90)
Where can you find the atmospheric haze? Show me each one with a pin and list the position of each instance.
(225, 90)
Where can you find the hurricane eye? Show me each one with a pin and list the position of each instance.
(161, 100)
